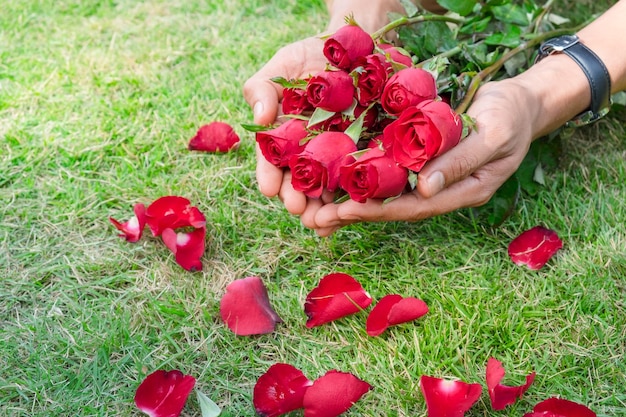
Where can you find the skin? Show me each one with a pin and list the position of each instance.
(509, 115)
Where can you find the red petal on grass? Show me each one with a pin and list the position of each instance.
(133, 228)
(502, 395)
(337, 295)
(246, 309)
(333, 394)
(172, 212)
(280, 390)
(214, 137)
(534, 247)
(188, 248)
(394, 309)
(164, 393)
(557, 407)
(446, 398)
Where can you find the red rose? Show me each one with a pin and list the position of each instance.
(295, 101)
(279, 144)
(373, 175)
(396, 55)
(407, 88)
(331, 90)
(347, 44)
(317, 166)
(373, 71)
(421, 133)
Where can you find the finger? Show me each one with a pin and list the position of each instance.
(455, 165)
(308, 216)
(263, 96)
(269, 177)
(295, 201)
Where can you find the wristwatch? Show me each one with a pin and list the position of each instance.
(593, 67)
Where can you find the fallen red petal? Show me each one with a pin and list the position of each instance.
(534, 247)
(173, 212)
(164, 393)
(246, 309)
(333, 394)
(214, 137)
(394, 309)
(446, 398)
(187, 248)
(502, 395)
(337, 295)
(280, 390)
(557, 407)
(133, 228)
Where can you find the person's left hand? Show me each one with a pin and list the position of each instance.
(466, 176)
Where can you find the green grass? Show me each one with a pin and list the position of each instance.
(97, 102)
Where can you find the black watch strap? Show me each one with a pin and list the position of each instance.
(593, 67)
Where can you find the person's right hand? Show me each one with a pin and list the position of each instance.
(294, 61)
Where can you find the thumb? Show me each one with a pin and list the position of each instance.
(262, 95)
(453, 166)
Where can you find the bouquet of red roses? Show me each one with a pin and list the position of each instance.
(365, 125)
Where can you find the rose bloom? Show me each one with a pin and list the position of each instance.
(347, 44)
(397, 55)
(407, 88)
(280, 144)
(373, 175)
(373, 71)
(331, 90)
(317, 167)
(421, 133)
(295, 101)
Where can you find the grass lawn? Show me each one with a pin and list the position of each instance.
(98, 99)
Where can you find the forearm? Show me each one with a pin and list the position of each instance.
(561, 88)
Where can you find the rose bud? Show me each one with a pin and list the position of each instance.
(280, 144)
(421, 133)
(406, 88)
(373, 72)
(347, 44)
(331, 90)
(373, 175)
(317, 167)
(396, 55)
(295, 101)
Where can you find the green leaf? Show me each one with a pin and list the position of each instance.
(285, 83)
(511, 13)
(409, 7)
(501, 205)
(511, 37)
(462, 7)
(251, 127)
(320, 115)
(619, 98)
(207, 407)
(356, 128)
(427, 39)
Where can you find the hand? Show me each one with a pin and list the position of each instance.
(466, 176)
(294, 61)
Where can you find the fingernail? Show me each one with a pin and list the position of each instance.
(257, 109)
(436, 182)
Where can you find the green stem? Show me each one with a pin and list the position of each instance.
(485, 73)
(447, 54)
(404, 21)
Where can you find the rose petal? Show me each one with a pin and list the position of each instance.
(446, 398)
(164, 393)
(394, 309)
(280, 390)
(534, 247)
(337, 295)
(246, 309)
(557, 407)
(188, 248)
(214, 137)
(502, 395)
(133, 228)
(333, 394)
(172, 212)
